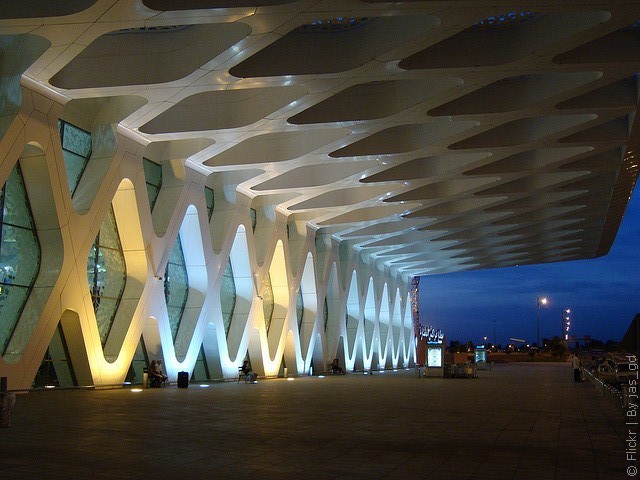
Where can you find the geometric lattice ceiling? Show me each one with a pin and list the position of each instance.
(436, 136)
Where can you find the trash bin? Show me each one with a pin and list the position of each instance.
(7, 401)
(145, 378)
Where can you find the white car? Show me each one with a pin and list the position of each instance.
(616, 370)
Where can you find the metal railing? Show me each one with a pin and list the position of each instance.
(619, 398)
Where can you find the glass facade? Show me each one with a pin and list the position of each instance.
(200, 369)
(299, 308)
(19, 254)
(254, 218)
(107, 274)
(267, 302)
(326, 313)
(135, 375)
(153, 179)
(176, 286)
(76, 150)
(227, 297)
(56, 369)
(208, 196)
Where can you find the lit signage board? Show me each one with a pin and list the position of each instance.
(434, 356)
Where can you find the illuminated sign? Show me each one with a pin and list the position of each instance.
(431, 334)
(434, 357)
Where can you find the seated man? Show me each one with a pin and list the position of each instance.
(249, 376)
(335, 368)
(156, 376)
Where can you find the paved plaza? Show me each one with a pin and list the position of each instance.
(520, 421)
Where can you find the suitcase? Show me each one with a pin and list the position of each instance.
(183, 379)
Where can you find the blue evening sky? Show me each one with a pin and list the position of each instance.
(602, 293)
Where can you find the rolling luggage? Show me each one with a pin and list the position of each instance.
(183, 379)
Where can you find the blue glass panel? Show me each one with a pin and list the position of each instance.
(107, 275)
(105, 309)
(299, 308)
(109, 237)
(267, 302)
(15, 205)
(76, 140)
(19, 254)
(326, 313)
(254, 218)
(176, 286)
(75, 165)
(12, 300)
(135, 375)
(153, 177)
(76, 150)
(208, 195)
(227, 297)
(111, 272)
(200, 369)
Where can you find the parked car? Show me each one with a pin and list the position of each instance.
(617, 369)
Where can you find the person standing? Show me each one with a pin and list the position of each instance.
(575, 361)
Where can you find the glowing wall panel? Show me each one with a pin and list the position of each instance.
(223, 320)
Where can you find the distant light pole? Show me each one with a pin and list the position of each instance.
(541, 301)
(566, 324)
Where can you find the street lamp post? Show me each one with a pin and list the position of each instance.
(541, 301)
(566, 324)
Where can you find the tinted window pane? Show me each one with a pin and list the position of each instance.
(176, 286)
(19, 255)
(107, 275)
(76, 140)
(153, 177)
(15, 205)
(227, 296)
(208, 195)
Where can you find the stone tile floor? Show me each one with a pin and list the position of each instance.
(520, 421)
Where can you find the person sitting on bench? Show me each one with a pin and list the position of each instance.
(156, 376)
(335, 368)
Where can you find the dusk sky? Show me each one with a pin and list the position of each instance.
(603, 295)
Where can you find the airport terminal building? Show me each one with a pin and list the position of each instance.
(210, 181)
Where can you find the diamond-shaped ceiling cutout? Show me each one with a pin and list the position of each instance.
(443, 189)
(502, 39)
(620, 46)
(455, 207)
(222, 109)
(528, 161)
(515, 93)
(345, 196)
(608, 161)
(616, 95)
(313, 176)
(368, 101)
(427, 167)
(403, 138)
(38, 8)
(330, 45)
(615, 132)
(526, 130)
(275, 147)
(141, 56)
